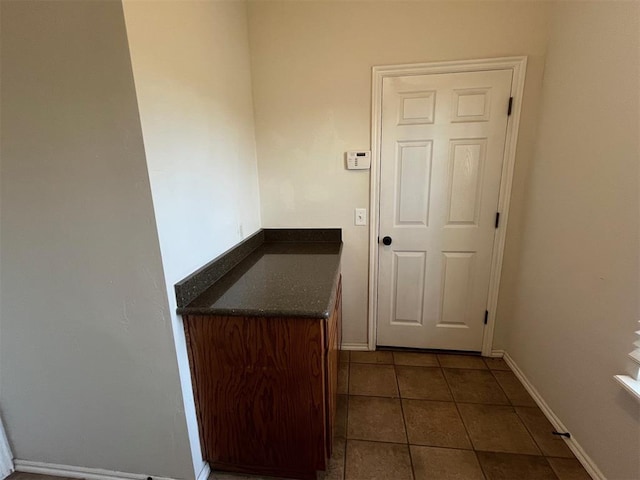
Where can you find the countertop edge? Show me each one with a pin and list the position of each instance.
(207, 276)
(223, 312)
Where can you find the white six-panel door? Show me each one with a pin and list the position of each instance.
(442, 147)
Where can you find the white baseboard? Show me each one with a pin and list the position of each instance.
(204, 472)
(355, 346)
(572, 443)
(71, 471)
(497, 354)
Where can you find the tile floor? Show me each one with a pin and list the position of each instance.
(418, 416)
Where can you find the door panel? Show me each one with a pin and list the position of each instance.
(466, 164)
(409, 276)
(457, 272)
(442, 146)
(413, 174)
(416, 108)
(471, 105)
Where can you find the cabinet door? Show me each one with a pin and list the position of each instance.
(260, 392)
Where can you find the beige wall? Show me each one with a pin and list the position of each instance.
(192, 74)
(311, 65)
(88, 372)
(576, 294)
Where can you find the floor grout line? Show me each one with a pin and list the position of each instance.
(513, 407)
(464, 425)
(346, 421)
(473, 446)
(455, 448)
(447, 401)
(404, 420)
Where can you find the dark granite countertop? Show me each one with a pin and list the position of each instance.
(274, 273)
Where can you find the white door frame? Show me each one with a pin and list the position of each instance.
(518, 65)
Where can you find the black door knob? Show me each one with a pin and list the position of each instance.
(386, 240)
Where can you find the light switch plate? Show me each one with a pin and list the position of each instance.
(361, 216)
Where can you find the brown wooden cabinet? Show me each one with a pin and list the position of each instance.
(266, 390)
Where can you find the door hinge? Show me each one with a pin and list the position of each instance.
(486, 316)
(510, 106)
(497, 219)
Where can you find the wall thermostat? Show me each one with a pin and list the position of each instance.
(359, 160)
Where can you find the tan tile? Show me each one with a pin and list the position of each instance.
(461, 361)
(372, 357)
(505, 466)
(335, 469)
(375, 380)
(377, 461)
(415, 359)
(423, 383)
(540, 428)
(435, 424)
(496, 429)
(376, 418)
(496, 364)
(340, 427)
(343, 378)
(516, 393)
(344, 356)
(474, 386)
(431, 463)
(568, 469)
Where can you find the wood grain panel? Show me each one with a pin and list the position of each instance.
(334, 326)
(260, 392)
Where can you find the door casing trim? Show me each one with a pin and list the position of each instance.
(518, 65)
